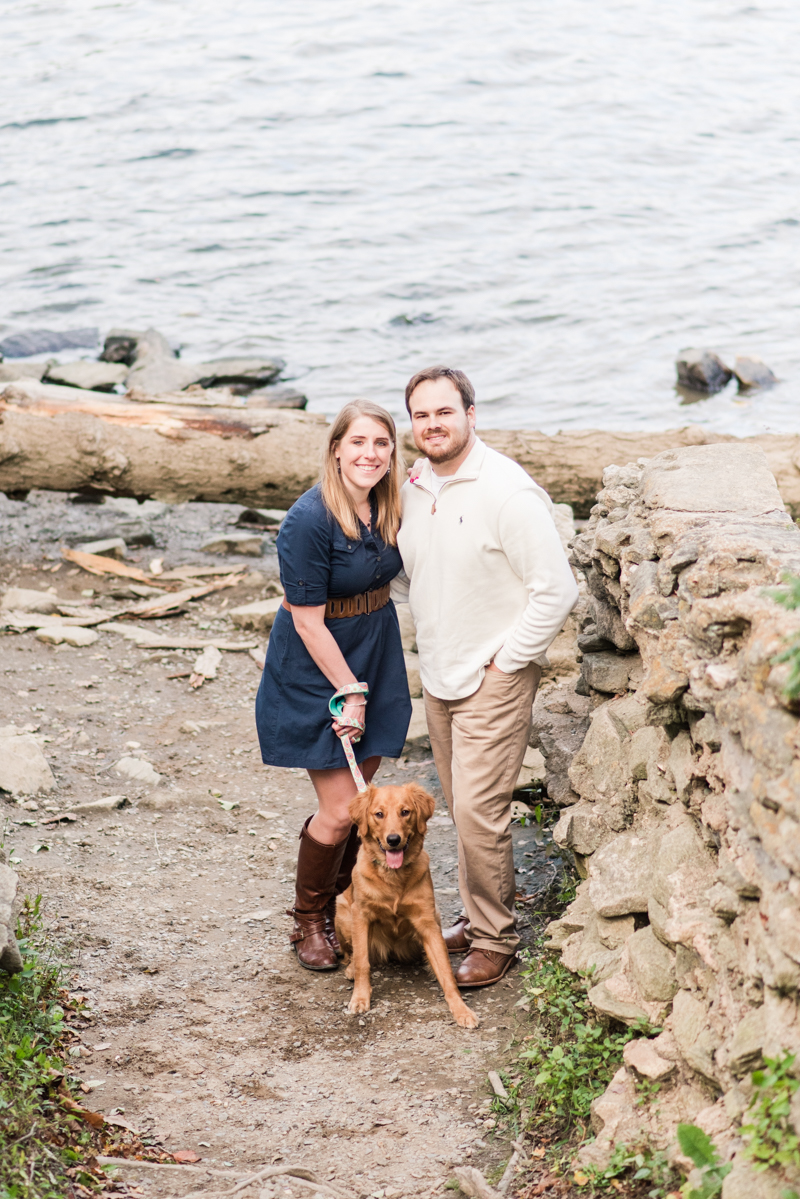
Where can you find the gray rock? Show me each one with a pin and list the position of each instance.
(615, 932)
(752, 372)
(109, 547)
(608, 672)
(277, 397)
(582, 828)
(67, 635)
(724, 902)
(47, 341)
(259, 616)
(584, 952)
(236, 543)
(91, 376)
(641, 1056)
(652, 967)
(695, 1039)
(590, 642)
(10, 371)
(609, 1004)
(598, 771)
(560, 723)
(10, 958)
(620, 874)
(726, 477)
(745, 1182)
(610, 625)
(681, 763)
(23, 766)
(746, 1049)
(682, 871)
(120, 346)
(139, 771)
(648, 750)
(702, 370)
(135, 533)
(154, 369)
(23, 600)
(251, 372)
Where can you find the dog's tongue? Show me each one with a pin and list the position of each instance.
(394, 858)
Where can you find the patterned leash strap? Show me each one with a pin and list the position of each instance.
(336, 707)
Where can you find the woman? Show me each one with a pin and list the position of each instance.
(337, 543)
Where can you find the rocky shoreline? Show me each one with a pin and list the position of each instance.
(680, 790)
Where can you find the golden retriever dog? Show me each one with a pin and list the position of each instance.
(389, 909)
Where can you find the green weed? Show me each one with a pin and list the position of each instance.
(33, 1164)
(771, 1140)
(789, 596)
(651, 1170)
(697, 1146)
(574, 1054)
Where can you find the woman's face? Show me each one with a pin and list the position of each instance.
(364, 454)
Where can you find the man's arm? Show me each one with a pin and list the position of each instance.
(531, 543)
(399, 588)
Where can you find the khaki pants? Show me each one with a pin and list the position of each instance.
(478, 745)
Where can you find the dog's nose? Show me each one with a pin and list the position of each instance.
(393, 840)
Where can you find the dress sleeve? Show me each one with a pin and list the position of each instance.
(304, 553)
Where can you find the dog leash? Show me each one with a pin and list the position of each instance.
(336, 708)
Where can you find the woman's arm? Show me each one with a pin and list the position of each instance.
(309, 623)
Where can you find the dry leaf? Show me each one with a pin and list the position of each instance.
(185, 1156)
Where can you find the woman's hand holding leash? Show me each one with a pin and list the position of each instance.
(346, 723)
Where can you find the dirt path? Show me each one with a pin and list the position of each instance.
(205, 1028)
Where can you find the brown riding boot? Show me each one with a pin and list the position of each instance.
(342, 883)
(317, 870)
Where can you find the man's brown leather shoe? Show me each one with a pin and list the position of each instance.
(482, 967)
(455, 938)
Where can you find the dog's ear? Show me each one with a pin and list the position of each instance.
(424, 804)
(359, 809)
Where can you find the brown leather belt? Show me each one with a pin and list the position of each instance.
(354, 605)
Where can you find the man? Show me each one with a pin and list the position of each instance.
(489, 587)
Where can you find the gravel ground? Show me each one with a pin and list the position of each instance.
(171, 908)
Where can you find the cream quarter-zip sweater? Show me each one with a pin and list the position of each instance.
(484, 572)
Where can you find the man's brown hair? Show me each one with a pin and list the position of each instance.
(457, 378)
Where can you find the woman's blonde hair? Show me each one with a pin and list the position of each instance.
(386, 491)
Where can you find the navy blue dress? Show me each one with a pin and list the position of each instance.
(318, 562)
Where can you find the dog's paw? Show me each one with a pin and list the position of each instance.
(350, 972)
(466, 1018)
(358, 1005)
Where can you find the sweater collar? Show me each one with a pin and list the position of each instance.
(469, 468)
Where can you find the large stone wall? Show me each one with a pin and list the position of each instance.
(683, 801)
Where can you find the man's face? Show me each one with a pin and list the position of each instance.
(441, 427)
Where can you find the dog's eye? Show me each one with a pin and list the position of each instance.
(406, 812)
(379, 815)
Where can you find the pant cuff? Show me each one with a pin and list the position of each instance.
(507, 947)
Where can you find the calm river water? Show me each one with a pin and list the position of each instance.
(555, 196)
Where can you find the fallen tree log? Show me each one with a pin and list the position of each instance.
(60, 439)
